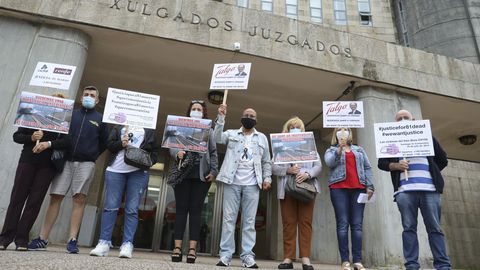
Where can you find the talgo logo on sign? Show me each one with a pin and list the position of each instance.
(64, 71)
(44, 68)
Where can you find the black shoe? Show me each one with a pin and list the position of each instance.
(191, 257)
(21, 248)
(177, 256)
(285, 265)
(221, 263)
(307, 267)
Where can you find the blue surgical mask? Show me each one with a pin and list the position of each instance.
(196, 114)
(295, 130)
(88, 102)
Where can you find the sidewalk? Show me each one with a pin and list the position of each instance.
(57, 258)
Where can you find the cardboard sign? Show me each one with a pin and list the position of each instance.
(130, 108)
(230, 76)
(403, 139)
(293, 147)
(44, 112)
(185, 133)
(343, 114)
(53, 75)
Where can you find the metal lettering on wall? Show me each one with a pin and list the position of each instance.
(255, 31)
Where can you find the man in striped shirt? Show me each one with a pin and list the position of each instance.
(418, 184)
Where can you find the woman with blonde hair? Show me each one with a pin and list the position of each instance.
(350, 174)
(296, 213)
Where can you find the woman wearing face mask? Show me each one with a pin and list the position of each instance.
(350, 174)
(294, 212)
(190, 192)
(122, 178)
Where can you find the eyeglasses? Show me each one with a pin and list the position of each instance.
(197, 101)
(403, 118)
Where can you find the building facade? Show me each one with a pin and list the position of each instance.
(302, 53)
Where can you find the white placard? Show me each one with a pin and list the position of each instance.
(186, 133)
(403, 139)
(343, 114)
(53, 75)
(293, 147)
(47, 113)
(131, 108)
(363, 198)
(230, 76)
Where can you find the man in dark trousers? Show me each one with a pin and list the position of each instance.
(418, 184)
(89, 137)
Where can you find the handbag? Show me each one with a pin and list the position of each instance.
(137, 157)
(58, 159)
(304, 192)
(181, 168)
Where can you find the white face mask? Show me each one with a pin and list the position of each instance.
(295, 130)
(342, 134)
(196, 114)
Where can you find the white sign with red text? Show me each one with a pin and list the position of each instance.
(53, 75)
(343, 114)
(231, 76)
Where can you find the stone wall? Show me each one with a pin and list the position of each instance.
(461, 212)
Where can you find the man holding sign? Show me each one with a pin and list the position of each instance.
(418, 183)
(245, 170)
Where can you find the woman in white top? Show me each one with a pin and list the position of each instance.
(122, 178)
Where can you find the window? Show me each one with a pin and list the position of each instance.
(340, 12)
(404, 29)
(242, 3)
(365, 12)
(291, 9)
(316, 11)
(267, 5)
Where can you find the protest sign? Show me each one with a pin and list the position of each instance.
(343, 114)
(185, 133)
(230, 76)
(42, 112)
(293, 147)
(131, 108)
(403, 139)
(53, 75)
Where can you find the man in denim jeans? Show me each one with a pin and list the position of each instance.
(245, 170)
(417, 183)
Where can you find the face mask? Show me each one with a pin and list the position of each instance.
(88, 102)
(342, 134)
(196, 114)
(248, 123)
(295, 130)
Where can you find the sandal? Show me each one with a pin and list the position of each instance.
(191, 257)
(177, 256)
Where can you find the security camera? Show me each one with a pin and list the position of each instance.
(236, 46)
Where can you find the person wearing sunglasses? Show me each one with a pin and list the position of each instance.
(246, 169)
(190, 191)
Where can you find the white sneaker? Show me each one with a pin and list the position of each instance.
(101, 250)
(126, 250)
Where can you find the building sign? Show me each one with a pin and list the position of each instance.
(52, 75)
(44, 112)
(185, 133)
(230, 76)
(343, 114)
(193, 18)
(293, 147)
(403, 139)
(130, 108)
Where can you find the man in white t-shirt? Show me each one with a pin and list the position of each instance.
(245, 170)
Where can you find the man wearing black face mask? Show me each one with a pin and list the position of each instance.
(245, 170)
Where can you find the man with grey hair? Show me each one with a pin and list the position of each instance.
(418, 184)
